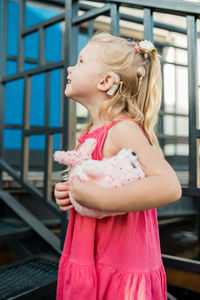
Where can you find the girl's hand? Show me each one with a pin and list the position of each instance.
(88, 194)
(61, 193)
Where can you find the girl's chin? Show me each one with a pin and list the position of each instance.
(67, 93)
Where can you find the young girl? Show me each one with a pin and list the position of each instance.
(117, 257)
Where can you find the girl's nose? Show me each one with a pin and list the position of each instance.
(69, 69)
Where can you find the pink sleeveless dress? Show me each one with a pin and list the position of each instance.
(113, 258)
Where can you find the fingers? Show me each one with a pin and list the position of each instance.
(66, 208)
(63, 202)
(62, 186)
(61, 190)
(61, 194)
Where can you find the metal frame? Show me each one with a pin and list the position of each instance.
(72, 21)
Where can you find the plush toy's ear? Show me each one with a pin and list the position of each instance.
(68, 158)
(92, 171)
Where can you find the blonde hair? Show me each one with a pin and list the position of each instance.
(118, 55)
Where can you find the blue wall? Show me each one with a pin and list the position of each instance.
(15, 89)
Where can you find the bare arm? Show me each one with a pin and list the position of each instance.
(155, 190)
(160, 186)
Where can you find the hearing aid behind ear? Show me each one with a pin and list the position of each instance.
(114, 87)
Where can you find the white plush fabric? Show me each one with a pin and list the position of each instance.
(114, 171)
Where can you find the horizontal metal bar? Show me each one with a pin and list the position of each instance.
(165, 113)
(193, 192)
(35, 129)
(31, 220)
(43, 24)
(170, 45)
(58, 3)
(139, 20)
(156, 24)
(29, 187)
(43, 130)
(12, 126)
(31, 72)
(91, 14)
(85, 17)
(173, 138)
(181, 263)
(142, 4)
(177, 7)
(26, 60)
(165, 62)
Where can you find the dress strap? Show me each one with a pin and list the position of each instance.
(126, 117)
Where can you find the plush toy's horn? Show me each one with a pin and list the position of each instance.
(66, 158)
(88, 146)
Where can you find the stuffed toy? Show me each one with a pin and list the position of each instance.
(121, 169)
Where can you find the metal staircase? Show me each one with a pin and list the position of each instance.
(32, 230)
(37, 249)
(30, 278)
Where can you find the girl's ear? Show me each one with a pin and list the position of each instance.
(109, 79)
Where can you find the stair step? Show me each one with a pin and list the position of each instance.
(29, 218)
(11, 232)
(27, 279)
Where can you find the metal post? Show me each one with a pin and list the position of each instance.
(25, 126)
(48, 146)
(115, 16)
(193, 97)
(193, 91)
(162, 108)
(20, 52)
(3, 54)
(148, 25)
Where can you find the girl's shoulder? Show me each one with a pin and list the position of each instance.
(123, 133)
(128, 127)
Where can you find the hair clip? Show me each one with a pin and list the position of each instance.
(129, 40)
(137, 48)
(145, 45)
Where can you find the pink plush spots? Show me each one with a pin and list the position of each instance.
(109, 172)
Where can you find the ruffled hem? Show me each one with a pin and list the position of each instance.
(105, 282)
(120, 284)
(76, 281)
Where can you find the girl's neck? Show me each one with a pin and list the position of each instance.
(98, 124)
